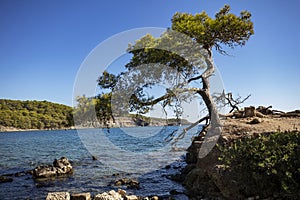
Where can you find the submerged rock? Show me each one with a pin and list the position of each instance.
(94, 158)
(4, 179)
(130, 183)
(60, 167)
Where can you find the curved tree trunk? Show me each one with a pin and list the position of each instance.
(214, 127)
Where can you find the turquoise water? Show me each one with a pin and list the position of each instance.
(138, 153)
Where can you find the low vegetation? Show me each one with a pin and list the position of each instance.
(34, 114)
(265, 165)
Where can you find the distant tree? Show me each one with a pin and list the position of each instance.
(34, 114)
(191, 61)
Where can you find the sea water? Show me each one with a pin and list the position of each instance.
(138, 152)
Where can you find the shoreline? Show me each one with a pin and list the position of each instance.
(13, 129)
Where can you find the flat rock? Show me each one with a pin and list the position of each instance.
(58, 196)
(132, 197)
(111, 195)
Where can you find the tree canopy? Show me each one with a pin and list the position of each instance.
(34, 114)
(225, 29)
(180, 57)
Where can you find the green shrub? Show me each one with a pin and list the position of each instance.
(268, 164)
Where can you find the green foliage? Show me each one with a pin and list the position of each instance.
(227, 28)
(90, 110)
(34, 114)
(107, 80)
(268, 164)
(177, 58)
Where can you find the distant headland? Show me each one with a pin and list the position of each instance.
(16, 115)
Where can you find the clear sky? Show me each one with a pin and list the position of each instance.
(43, 43)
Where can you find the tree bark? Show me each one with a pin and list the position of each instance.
(215, 125)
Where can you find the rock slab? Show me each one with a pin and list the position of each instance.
(58, 196)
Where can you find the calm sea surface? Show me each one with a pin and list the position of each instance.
(140, 153)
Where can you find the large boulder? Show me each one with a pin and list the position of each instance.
(63, 166)
(60, 167)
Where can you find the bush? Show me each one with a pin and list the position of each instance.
(265, 165)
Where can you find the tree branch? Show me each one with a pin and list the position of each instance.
(185, 130)
(149, 103)
(235, 102)
(194, 78)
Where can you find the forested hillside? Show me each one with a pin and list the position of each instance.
(34, 114)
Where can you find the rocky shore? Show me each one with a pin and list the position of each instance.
(121, 186)
(13, 129)
(109, 195)
(205, 178)
(209, 178)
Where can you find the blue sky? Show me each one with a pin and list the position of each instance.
(43, 43)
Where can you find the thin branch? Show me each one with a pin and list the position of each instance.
(235, 102)
(194, 78)
(185, 130)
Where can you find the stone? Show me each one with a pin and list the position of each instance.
(118, 183)
(58, 196)
(81, 196)
(177, 177)
(255, 121)
(103, 196)
(122, 181)
(130, 183)
(168, 167)
(60, 167)
(4, 179)
(63, 166)
(154, 198)
(174, 192)
(131, 197)
(44, 171)
(122, 192)
(94, 158)
(249, 111)
(133, 184)
(19, 174)
(111, 195)
(115, 194)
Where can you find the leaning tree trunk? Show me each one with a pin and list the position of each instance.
(214, 127)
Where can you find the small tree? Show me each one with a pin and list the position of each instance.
(189, 56)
